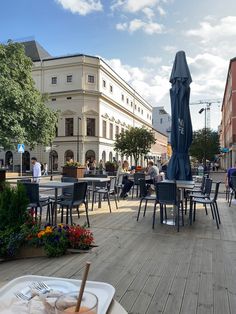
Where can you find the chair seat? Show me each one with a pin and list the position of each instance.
(101, 191)
(203, 200)
(149, 198)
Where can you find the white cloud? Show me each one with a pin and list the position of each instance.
(149, 13)
(211, 30)
(151, 85)
(152, 60)
(133, 6)
(161, 11)
(170, 49)
(149, 28)
(82, 7)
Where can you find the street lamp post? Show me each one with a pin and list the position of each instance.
(205, 137)
(78, 139)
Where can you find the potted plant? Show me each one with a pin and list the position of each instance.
(73, 169)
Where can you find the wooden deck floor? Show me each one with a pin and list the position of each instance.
(160, 271)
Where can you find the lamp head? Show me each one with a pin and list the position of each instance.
(201, 110)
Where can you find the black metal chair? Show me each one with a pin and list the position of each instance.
(78, 197)
(167, 194)
(35, 201)
(137, 176)
(119, 185)
(106, 191)
(209, 201)
(144, 197)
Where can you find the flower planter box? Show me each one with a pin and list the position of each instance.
(75, 172)
(26, 252)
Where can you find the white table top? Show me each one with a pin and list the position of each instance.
(55, 184)
(94, 179)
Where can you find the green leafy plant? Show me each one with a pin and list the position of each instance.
(73, 164)
(13, 207)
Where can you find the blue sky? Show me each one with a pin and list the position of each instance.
(138, 38)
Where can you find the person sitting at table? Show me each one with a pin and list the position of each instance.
(152, 171)
(127, 184)
(231, 171)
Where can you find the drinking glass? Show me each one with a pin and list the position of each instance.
(66, 303)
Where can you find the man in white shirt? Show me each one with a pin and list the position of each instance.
(36, 169)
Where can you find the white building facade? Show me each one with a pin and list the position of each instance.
(161, 121)
(94, 104)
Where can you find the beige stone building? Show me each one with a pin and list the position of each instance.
(94, 104)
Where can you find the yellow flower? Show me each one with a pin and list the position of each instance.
(40, 234)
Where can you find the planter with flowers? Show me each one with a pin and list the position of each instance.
(73, 169)
(21, 236)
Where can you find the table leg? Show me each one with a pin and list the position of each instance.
(55, 206)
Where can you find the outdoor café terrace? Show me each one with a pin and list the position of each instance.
(155, 270)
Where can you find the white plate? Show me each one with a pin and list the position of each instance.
(55, 285)
(104, 291)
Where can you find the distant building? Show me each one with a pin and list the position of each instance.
(94, 103)
(228, 122)
(161, 121)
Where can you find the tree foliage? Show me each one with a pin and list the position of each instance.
(134, 142)
(24, 116)
(208, 144)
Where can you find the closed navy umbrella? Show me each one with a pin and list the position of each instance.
(179, 167)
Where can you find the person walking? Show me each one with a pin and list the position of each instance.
(36, 169)
(45, 169)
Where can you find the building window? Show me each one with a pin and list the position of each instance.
(104, 83)
(135, 107)
(69, 126)
(142, 111)
(117, 130)
(69, 98)
(104, 128)
(111, 88)
(138, 109)
(90, 127)
(147, 115)
(69, 78)
(122, 97)
(54, 80)
(161, 121)
(127, 100)
(91, 79)
(54, 99)
(111, 131)
(131, 104)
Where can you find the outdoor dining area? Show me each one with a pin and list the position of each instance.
(162, 243)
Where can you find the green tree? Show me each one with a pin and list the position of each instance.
(24, 117)
(134, 142)
(205, 141)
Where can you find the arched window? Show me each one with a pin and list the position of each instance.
(9, 160)
(110, 157)
(69, 155)
(104, 156)
(90, 155)
(53, 160)
(26, 161)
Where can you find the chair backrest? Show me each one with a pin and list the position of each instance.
(166, 193)
(69, 189)
(203, 183)
(79, 191)
(112, 184)
(217, 190)
(32, 191)
(143, 188)
(23, 181)
(120, 180)
(208, 186)
(138, 176)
